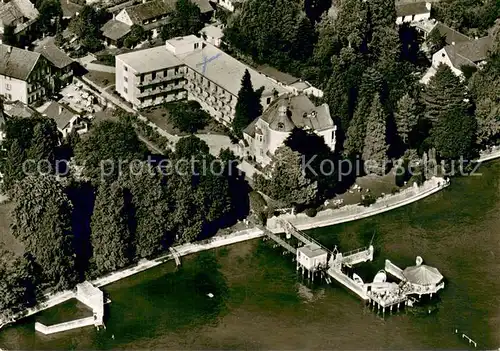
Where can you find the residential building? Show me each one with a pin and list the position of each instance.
(62, 64)
(18, 109)
(213, 34)
(24, 75)
(114, 32)
(206, 9)
(21, 14)
(150, 77)
(407, 12)
(289, 82)
(150, 15)
(188, 67)
(230, 5)
(70, 9)
(469, 53)
(268, 132)
(65, 118)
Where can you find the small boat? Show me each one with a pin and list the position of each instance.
(357, 279)
(380, 277)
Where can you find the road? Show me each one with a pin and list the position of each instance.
(215, 142)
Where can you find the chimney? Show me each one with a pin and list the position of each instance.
(428, 6)
(60, 109)
(26, 47)
(9, 49)
(452, 43)
(476, 38)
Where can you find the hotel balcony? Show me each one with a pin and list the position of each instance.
(157, 80)
(160, 90)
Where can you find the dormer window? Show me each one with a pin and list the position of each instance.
(196, 45)
(281, 126)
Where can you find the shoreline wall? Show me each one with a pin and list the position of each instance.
(300, 221)
(350, 213)
(57, 328)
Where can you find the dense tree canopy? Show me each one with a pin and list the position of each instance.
(109, 146)
(188, 116)
(111, 239)
(185, 20)
(41, 220)
(274, 31)
(443, 93)
(286, 181)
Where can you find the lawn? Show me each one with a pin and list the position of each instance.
(159, 116)
(7, 240)
(102, 79)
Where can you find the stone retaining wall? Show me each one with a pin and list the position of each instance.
(354, 212)
(57, 328)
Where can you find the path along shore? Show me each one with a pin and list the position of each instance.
(323, 218)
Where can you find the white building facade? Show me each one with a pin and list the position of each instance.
(267, 133)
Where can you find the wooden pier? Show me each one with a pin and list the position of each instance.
(281, 242)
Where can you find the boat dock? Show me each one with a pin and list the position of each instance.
(313, 258)
(327, 261)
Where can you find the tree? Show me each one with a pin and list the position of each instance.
(286, 181)
(185, 20)
(86, 26)
(188, 116)
(303, 41)
(150, 207)
(43, 145)
(17, 283)
(50, 10)
(352, 23)
(406, 117)
(386, 48)
(435, 41)
(454, 135)
(13, 166)
(108, 148)
(383, 13)
(248, 106)
(375, 146)
(110, 238)
(355, 137)
(269, 31)
(137, 34)
(320, 160)
(443, 93)
(190, 146)
(41, 220)
(316, 8)
(9, 37)
(488, 121)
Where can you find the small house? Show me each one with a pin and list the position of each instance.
(312, 257)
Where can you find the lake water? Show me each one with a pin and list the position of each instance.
(261, 303)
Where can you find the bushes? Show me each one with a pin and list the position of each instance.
(367, 200)
(152, 135)
(311, 212)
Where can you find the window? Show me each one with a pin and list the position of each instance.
(125, 79)
(176, 71)
(165, 73)
(142, 78)
(125, 90)
(268, 100)
(8, 96)
(196, 45)
(125, 68)
(153, 76)
(8, 86)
